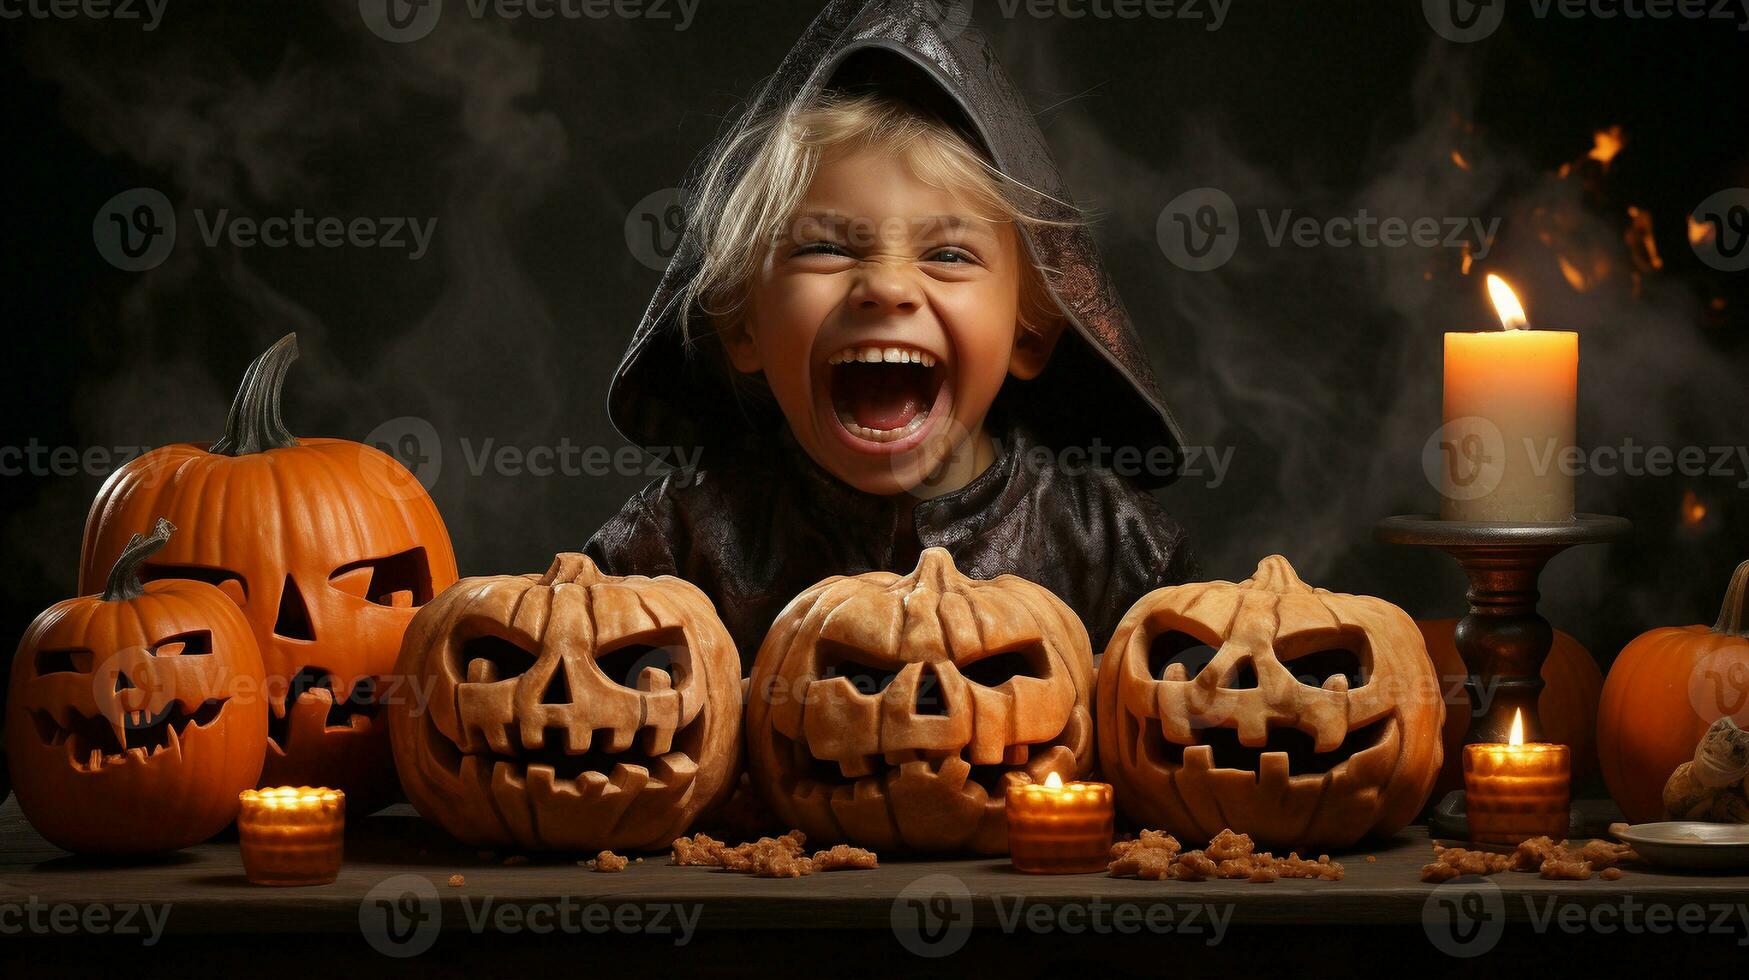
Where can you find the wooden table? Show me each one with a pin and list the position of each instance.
(398, 868)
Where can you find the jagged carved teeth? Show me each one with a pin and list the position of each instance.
(883, 355)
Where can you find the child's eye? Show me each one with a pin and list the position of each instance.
(821, 248)
(952, 256)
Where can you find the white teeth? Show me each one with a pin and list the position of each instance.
(882, 435)
(883, 355)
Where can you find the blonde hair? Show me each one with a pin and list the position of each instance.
(786, 153)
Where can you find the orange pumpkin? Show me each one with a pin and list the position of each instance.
(1572, 684)
(571, 711)
(1663, 692)
(1302, 717)
(893, 712)
(329, 546)
(134, 717)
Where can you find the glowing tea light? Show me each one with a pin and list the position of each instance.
(1059, 828)
(1508, 444)
(1517, 790)
(291, 835)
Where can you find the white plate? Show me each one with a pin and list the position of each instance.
(1690, 843)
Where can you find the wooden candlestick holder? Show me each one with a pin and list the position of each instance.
(1503, 640)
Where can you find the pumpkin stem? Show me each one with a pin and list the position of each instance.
(1731, 622)
(254, 425)
(573, 568)
(935, 569)
(124, 577)
(1275, 574)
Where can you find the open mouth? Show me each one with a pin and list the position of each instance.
(884, 396)
(307, 692)
(856, 778)
(593, 768)
(1286, 752)
(92, 743)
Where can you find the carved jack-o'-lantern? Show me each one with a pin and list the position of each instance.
(1302, 717)
(329, 547)
(134, 717)
(894, 711)
(568, 711)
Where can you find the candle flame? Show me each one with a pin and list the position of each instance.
(1517, 736)
(1506, 304)
(1053, 781)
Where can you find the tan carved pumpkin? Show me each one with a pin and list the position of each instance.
(570, 711)
(1302, 717)
(328, 546)
(135, 715)
(893, 711)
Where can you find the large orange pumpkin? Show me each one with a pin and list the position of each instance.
(1302, 717)
(329, 546)
(893, 712)
(1567, 708)
(134, 717)
(1663, 692)
(571, 711)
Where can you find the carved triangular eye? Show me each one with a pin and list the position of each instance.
(76, 660)
(842, 662)
(489, 658)
(999, 668)
(225, 580)
(625, 663)
(1190, 653)
(401, 581)
(198, 643)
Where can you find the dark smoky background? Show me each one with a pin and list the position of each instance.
(537, 146)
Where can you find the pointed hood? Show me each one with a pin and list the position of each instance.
(1098, 384)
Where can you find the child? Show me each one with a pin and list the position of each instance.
(887, 332)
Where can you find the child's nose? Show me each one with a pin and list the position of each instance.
(883, 287)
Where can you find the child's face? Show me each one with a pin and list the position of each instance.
(885, 323)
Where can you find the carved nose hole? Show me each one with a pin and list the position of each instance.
(1243, 677)
(122, 681)
(558, 687)
(931, 697)
(294, 617)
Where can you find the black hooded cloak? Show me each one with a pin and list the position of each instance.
(758, 521)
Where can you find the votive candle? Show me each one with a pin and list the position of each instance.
(291, 835)
(1059, 828)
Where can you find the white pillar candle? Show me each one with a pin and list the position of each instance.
(1509, 442)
